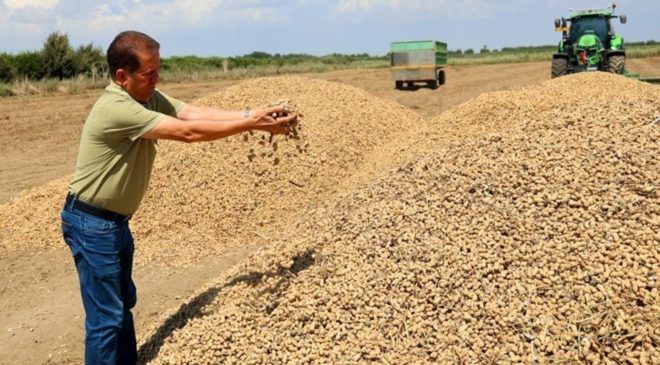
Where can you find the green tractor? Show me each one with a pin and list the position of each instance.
(589, 44)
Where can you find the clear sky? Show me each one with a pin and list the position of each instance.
(318, 27)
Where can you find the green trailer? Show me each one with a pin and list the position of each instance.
(418, 61)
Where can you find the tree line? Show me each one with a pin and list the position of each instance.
(59, 60)
(258, 59)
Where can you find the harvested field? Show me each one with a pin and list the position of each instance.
(534, 241)
(328, 222)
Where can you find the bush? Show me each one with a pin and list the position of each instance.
(7, 69)
(191, 63)
(29, 65)
(58, 56)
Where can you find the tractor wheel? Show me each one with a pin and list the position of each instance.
(441, 77)
(616, 64)
(398, 85)
(559, 67)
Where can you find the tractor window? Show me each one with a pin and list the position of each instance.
(597, 24)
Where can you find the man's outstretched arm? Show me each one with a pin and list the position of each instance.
(198, 130)
(194, 112)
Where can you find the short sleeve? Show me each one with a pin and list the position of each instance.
(127, 119)
(165, 104)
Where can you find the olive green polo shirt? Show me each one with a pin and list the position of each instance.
(114, 163)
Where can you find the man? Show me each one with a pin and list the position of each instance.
(117, 151)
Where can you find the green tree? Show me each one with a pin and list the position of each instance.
(58, 56)
(89, 60)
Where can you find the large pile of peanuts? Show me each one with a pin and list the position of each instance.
(523, 229)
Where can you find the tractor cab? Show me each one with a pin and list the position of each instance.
(594, 25)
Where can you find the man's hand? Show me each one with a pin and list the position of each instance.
(273, 120)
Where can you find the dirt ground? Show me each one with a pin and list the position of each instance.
(41, 316)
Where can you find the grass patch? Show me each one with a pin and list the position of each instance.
(636, 51)
(266, 70)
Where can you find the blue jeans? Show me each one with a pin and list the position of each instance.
(103, 253)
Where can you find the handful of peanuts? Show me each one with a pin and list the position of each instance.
(267, 146)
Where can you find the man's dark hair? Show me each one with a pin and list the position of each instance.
(124, 49)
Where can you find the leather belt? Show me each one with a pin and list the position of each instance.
(95, 211)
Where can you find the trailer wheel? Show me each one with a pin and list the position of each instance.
(441, 77)
(398, 85)
(433, 84)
